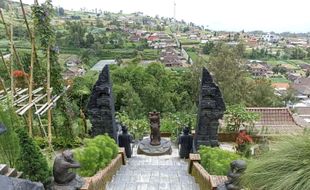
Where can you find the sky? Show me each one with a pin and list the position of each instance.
(229, 15)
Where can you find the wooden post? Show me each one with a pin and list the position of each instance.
(48, 88)
(193, 158)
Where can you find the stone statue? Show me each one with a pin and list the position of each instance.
(237, 167)
(100, 108)
(62, 176)
(124, 140)
(155, 128)
(186, 142)
(154, 146)
(211, 108)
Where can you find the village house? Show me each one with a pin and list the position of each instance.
(271, 38)
(293, 76)
(171, 57)
(302, 86)
(305, 66)
(72, 72)
(275, 121)
(280, 87)
(259, 68)
(134, 38)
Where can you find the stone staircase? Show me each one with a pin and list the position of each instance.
(153, 173)
(9, 172)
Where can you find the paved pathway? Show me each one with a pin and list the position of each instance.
(153, 173)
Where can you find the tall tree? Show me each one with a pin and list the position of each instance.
(227, 66)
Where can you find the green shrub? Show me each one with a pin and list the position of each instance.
(215, 160)
(95, 155)
(285, 167)
(9, 146)
(137, 127)
(59, 142)
(31, 161)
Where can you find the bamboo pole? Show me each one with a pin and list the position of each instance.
(12, 55)
(48, 88)
(33, 58)
(6, 67)
(30, 114)
(3, 85)
(31, 34)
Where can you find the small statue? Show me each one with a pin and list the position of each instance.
(118, 129)
(62, 164)
(237, 167)
(124, 140)
(186, 142)
(155, 128)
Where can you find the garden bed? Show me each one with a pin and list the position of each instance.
(202, 177)
(102, 177)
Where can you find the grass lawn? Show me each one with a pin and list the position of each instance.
(193, 55)
(279, 80)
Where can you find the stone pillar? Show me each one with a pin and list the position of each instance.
(100, 107)
(211, 109)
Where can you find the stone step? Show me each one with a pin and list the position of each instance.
(152, 186)
(12, 172)
(3, 169)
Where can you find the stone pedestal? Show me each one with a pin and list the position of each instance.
(162, 149)
(75, 184)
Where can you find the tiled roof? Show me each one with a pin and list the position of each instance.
(280, 85)
(275, 121)
(303, 111)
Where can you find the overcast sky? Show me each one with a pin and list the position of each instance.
(235, 15)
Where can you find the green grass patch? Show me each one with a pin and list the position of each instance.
(279, 80)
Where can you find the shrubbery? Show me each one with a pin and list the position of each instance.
(286, 166)
(215, 160)
(58, 142)
(31, 161)
(9, 146)
(95, 155)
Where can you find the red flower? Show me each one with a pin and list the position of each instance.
(19, 74)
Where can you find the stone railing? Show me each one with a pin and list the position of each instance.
(202, 177)
(100, 180)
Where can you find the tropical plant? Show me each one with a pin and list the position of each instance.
(237, 116)
(285, 167)
(95, 155)
(215, 160)
(9, 146)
